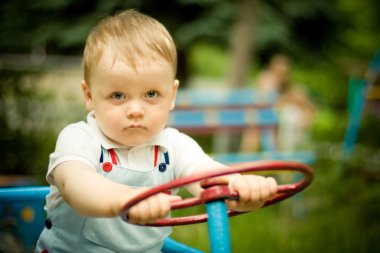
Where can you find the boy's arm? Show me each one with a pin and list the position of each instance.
(253, 190)
(92, 195)
(88, 192)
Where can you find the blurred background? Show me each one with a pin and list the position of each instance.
(328, 44)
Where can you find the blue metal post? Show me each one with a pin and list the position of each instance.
(218, 227)
(357, 99)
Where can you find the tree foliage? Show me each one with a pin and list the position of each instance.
(61, 26)
(301, 28)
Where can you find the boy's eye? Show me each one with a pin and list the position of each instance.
(151, 94)
(117, 95)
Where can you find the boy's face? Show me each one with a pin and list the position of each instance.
(131, 106)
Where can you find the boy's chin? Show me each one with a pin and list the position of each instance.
(134, 143)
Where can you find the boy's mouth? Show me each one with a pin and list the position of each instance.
(135, 126)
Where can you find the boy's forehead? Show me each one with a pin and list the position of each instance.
(111, 63)
(111, 59)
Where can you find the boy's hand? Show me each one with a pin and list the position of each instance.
(151, 209)
(253, 192)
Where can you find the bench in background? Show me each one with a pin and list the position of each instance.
(210, 110)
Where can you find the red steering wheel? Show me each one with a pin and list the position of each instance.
(214, 191)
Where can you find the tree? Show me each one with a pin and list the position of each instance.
(242, 42)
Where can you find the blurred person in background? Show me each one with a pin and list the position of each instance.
(296, 110)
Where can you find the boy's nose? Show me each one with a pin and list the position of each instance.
(134, 109)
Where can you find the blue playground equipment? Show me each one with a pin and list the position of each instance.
(358, 96)
(21, 215)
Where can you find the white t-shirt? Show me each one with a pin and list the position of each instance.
(82, 141)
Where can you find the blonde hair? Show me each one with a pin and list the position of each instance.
(134, 36)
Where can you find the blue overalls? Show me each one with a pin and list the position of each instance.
(67, 231)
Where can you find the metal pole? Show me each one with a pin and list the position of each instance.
(218, 227)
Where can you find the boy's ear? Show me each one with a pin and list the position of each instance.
(87, 95)
(175, 89)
